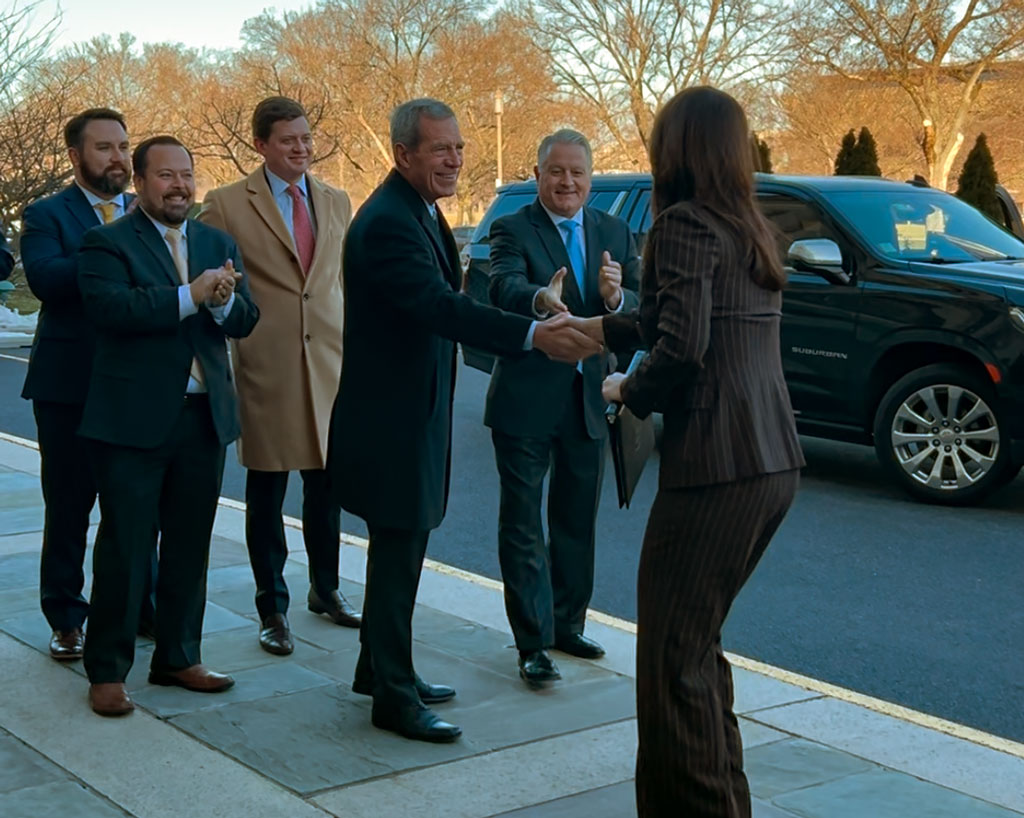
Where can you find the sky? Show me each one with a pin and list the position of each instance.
(197, 23)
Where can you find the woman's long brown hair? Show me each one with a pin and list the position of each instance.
(700, 151)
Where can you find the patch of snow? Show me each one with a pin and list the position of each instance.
(13, 321)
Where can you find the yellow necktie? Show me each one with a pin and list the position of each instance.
(175, 238)
(107, 209)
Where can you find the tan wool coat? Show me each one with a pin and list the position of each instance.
(287, 370)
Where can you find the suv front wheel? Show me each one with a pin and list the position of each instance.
(940, 432)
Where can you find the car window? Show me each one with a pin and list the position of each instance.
(640, 218)
(922, 224)
(603, 199)
(501, 206)
(794, 219)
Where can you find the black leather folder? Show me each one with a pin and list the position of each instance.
(632, 442)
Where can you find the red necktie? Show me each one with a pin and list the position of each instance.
(302, 228)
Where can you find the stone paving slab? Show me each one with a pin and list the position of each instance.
(881, 793)
(67, 799)
(934, 756)
(784, 766)
(291, 740)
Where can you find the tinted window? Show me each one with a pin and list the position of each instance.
(640, 219)
(603, 199)
(794, 219)
(501, 206)
(925, 225)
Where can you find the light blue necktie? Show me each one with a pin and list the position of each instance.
(570, 231)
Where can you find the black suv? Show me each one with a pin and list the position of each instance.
(903, 320)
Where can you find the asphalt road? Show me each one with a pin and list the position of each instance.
(918, 605)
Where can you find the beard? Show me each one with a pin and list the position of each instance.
(110, 182)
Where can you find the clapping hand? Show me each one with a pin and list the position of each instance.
(213, 287)
(225, 285)
(611, 389)
(609, 283)
(549, 299)
(560, 341)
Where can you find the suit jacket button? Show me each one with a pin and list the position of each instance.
(305, 296)
(307, 338)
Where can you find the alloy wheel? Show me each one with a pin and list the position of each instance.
(945, 437)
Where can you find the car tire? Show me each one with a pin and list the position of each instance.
(941, 433)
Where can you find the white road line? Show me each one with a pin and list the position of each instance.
(13, 358)
(891, 709)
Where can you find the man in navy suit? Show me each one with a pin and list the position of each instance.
(554, 255)
(164, 295)
(61, 358)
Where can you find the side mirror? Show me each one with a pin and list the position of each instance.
(819, 256)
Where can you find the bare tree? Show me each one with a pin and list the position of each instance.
(30, 164)
(627, 57)
(939, 53)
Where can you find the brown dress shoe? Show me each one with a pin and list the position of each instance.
(275, 635)
(338, 608)
(197, 678)
(67, 645)
(110, 699)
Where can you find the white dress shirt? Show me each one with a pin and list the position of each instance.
(186, 306)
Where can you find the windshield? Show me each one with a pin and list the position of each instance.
(916, 224)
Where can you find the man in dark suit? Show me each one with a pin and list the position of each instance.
(391, 435)
(163, 295)
(553, 255)
(61, 359)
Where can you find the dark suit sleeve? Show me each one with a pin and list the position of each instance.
(510, 286)
(405, 273)
(6, 258)
(112, 300)
(244, 313)
(685, 256)
(51, 271)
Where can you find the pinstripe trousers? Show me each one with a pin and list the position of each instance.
(700, 547)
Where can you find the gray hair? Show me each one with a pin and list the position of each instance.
(405, 119)
(566, 136)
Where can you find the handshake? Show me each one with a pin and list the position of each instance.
(566, 337)
(213, 288)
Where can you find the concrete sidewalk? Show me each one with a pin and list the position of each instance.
(291, 739)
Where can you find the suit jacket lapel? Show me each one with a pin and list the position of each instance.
(263, 201)
(551, 238)
(153, 241)
(418, 208)
(80, 207)
(451, 253)
(322, 209)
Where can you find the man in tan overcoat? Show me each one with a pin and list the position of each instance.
(289, 229)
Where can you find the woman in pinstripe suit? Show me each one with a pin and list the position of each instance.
(710, 306)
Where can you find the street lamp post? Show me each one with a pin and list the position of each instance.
(499, 109)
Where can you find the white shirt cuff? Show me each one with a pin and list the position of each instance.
(221, 312)
(533, 308)
(622, 301)
(528, 343)
(185, 305)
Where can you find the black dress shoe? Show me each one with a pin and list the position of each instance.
(415, 722)
(336, 607)
(67, 645)
(537, 669)
(576, 644)
(276, 636)
(428, 693)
